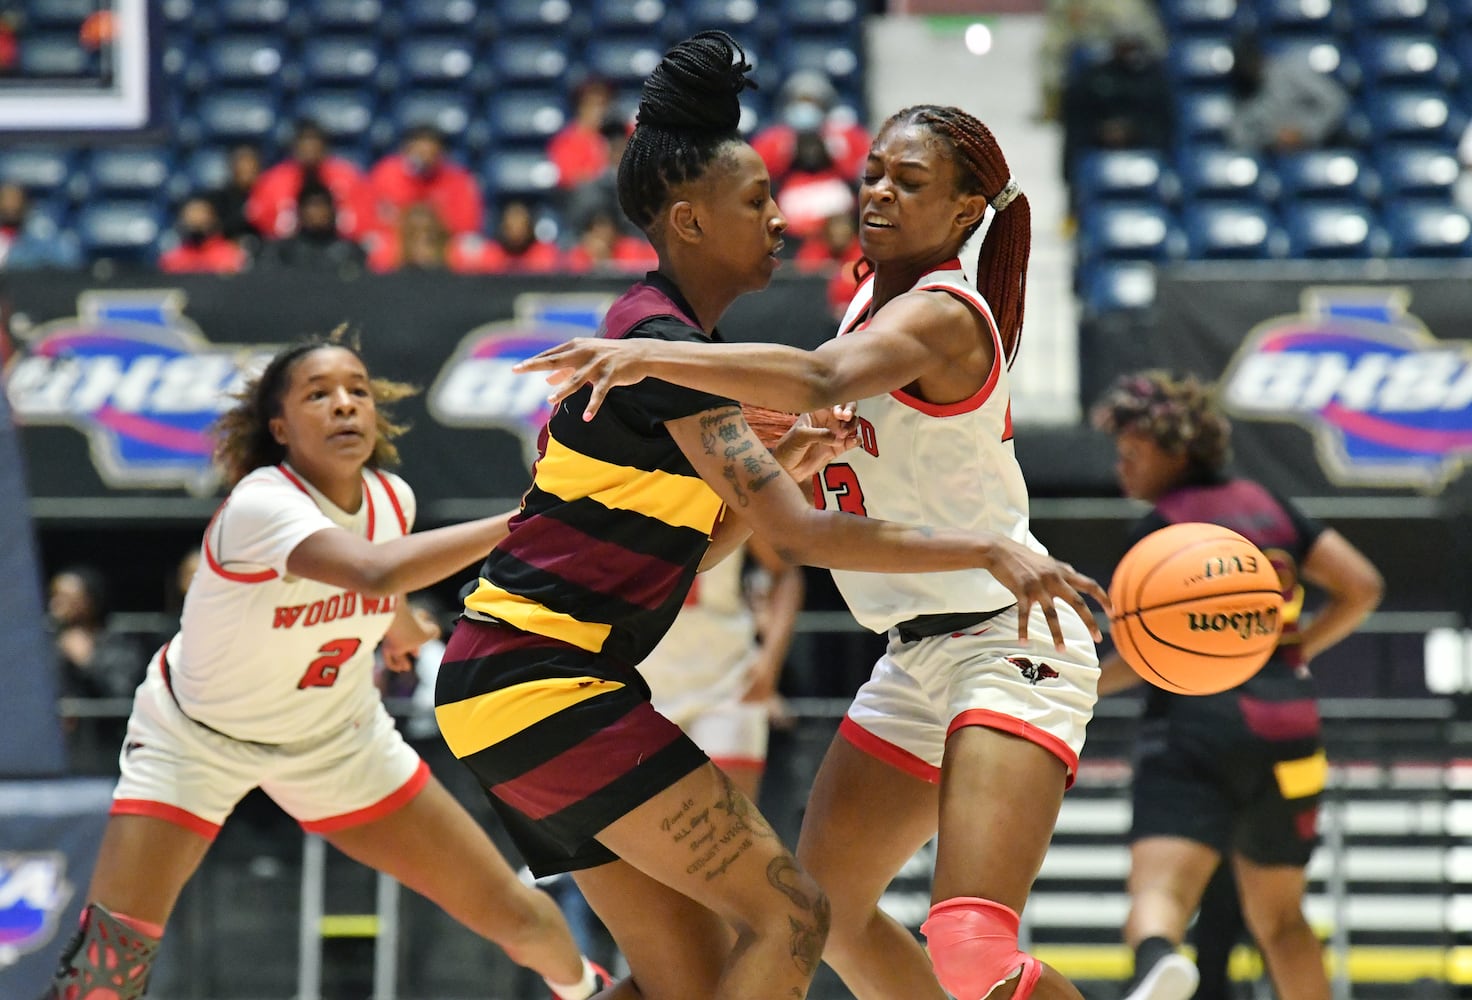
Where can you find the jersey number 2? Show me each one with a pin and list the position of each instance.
(322, 672)
(842, 482)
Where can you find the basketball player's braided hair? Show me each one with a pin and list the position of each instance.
(1177, 414)
(688, 112)
(1001, 264)
(242, 435)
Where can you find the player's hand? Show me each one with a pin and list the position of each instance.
(816, 439)
(401, 644)
(594, 361)
(1036, 579)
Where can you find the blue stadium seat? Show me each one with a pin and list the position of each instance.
(127, 230)
(623, 60)
(54, 54)
(49, 216)
(1128, 231)
(439, 15)
(1209, 172)
(519, 175)
(1332, 229)
(263, 15)
(1324, 53)
(207, 169)
(442, 61)
(1460, 13)
(1419, 113)
(533, 15)
(233, 115)
(1406, 58)
(1201, 61)
(448, 111)
(1203, 114)
(1117, 286)
(1325, 173)
(1428, 229)
(244, 59)
(355, 15)
(1377, 15)
(643, 16)
(839, 18)
(841, 61)
(1118, 173)
(1282, 16)
(130, 173)
(344, 59)
(57, 13)
(36, 168)
(533, 60)
(1428, 171)
(525, 117)
(1241, 230)
(345, 115)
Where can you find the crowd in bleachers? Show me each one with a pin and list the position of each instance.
(436, 134)
(1261, 129)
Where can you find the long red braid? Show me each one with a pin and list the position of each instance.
(1001, 264)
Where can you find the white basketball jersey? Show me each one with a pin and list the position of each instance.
(948, 465)
(268, 657)
(710, 640)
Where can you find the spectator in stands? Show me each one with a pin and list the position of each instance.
(202, 248)
(231, 200)
(1235, 777)
(9, 42)
(421, 173)
(807, 102)
(317, 243)
(814, 188)
(602, 246)
(516, 247)
(1283, 103)
(419, 241)
(600, 194)
(1072, 28)
(94, 661)
(1122, 102)
(580, 150)
(29, 243)
(273, 201)
(834, 251)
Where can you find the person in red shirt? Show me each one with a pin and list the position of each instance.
(202, 247)
(809, 102)
(271, 207)
(601, 246)
(420, 172)
(516, 248)
(580, 150)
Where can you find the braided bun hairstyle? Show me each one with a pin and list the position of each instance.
(688, 112)
(1179, 415)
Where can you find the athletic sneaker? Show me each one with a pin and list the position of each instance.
(1174, 977)
(601, 979)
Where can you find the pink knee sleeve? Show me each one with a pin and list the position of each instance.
(973, 948)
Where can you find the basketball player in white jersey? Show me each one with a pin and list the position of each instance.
(715, 672)
(972, 722)
(269, 683)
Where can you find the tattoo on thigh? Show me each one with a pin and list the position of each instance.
(807, 935)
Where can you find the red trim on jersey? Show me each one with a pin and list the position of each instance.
(394, 500)
(989, 719)
(1007, 426)
(167, 813)
(388, 804)
(886, 751)
(740, 763)
(368, 499)
(209, 557)
(293, 479)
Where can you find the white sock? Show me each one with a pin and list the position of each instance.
(580, 990)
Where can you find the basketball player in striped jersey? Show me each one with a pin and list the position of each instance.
(539, 693)
(269, 683)
(1233, 777)
(972, 722)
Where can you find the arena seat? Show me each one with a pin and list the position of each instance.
(622, 60)
(127, 230)
(356, 15)
(532, 15)
(263, 15)
(1116, 286)
(1377, 15)
(233, 115)
(447, 110)
(38, 169)
(206, 169)
(532, 60)
(1416, 170)
(629, 16)
(1323, 53)
(519, 175)
(1242, 230)
(54, 54)
(346, 115)
(125, 172)
(1332, 229)
(1213, 172)
(526, 118)
(1138, 230)
(442, 61)
(837, 18)
(1406, 58)
(743, 19)
(1288, 16)
(1119, 173)
(57, 13)
(244, 59)
(1200, 16)
(839, 60)
(341, 59)
(440, 15)
(1203, 114)
(1325, 173)
(1416, 113)
(1200, 61)
(1428, 229)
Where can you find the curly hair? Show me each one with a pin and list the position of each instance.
(1001, 265)
(1179, 415)
(242, 434)
(688, 114)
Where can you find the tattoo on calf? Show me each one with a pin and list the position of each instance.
(807, 936)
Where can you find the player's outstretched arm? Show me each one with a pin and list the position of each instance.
(346, 560)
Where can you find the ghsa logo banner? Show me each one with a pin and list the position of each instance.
(1388, 403)
(139, 379)
(477, 388)
(34, 892)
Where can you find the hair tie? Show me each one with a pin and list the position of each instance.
(1007, 195)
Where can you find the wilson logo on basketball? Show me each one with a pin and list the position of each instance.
(1227, 566)
(1244, 623)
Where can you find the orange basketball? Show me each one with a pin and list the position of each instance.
(1196, 608)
